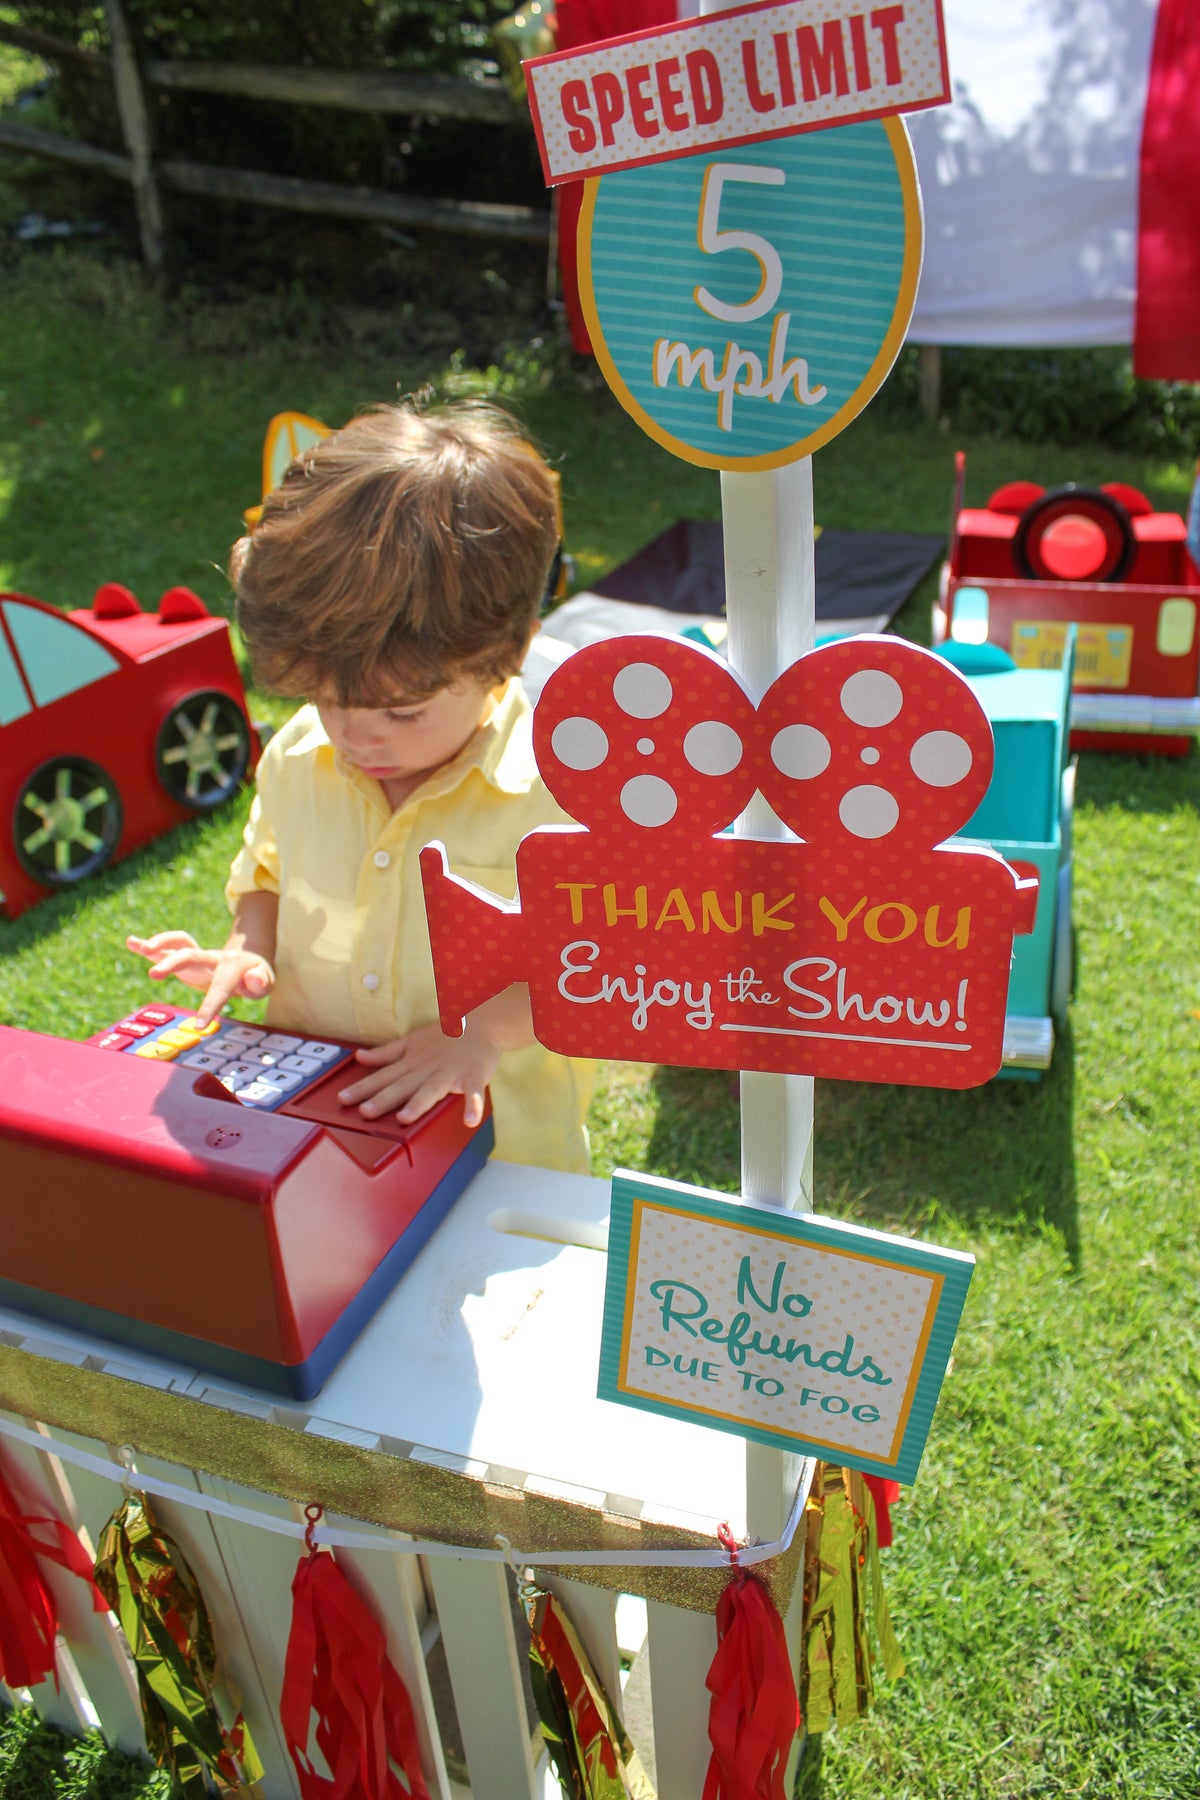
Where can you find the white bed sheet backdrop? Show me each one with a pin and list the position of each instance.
(1030, 178)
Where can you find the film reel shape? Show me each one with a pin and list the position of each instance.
(868, 740)
(876, 741)
(868, 950)
(647, 734)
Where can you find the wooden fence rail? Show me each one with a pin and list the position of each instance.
(288, 192)
(440, 97)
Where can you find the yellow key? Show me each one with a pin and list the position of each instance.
(194, 1024)
(158, 1051)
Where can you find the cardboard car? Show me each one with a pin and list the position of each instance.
(1034, 561)
(1026, 815)
(115, 725)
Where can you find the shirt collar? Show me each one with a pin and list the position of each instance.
(502, 750)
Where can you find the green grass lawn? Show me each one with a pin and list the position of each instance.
(1043, 1581)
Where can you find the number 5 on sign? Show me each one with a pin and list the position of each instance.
(713, 240)
(744, 311)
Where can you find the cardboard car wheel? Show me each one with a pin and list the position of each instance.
(647, 734)
(67, 821)
(874, 741)
(1074, 534)
(203, 750)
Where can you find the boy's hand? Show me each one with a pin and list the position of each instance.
(223, 973)
(413, 1073)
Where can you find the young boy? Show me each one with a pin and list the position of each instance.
(395, 581)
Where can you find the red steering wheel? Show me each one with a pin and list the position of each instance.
(1074, 534)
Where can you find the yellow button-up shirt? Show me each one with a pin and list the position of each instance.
(352, 956)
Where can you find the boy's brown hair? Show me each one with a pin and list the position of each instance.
(406, 552)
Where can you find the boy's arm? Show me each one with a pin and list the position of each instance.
(413, 1073)
(245, 965)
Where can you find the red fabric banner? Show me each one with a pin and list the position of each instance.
(579, 22)
(1166, 343)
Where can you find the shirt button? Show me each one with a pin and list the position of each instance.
(381, 859)
(370, 982)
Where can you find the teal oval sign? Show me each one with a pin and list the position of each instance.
(744, 305)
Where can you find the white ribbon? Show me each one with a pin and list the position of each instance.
(337, 1536)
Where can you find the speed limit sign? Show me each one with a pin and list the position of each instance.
(745, 304)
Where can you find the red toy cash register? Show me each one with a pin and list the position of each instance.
(201, 1194)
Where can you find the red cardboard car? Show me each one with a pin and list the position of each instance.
(115, 724)
(1034, 561)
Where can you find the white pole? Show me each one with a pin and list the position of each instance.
(770, 605)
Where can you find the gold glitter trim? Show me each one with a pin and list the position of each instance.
(402, 1494)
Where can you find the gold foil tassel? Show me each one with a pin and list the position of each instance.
(844, 1603)
(586, 1742)
(143, 1576)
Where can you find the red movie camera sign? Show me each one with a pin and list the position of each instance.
(869, 951)
(733, 78)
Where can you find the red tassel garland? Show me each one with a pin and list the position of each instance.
(28, 1610)
(754, 1713)
(337, 1667)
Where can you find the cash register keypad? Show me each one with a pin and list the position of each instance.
(263, 1068)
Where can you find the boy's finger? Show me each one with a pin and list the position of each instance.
(374, 1056)
(213, 1002)
(387, 1100)
(175, 962)
(178, 965)
(427, 1095)
(372, 1085)
(162, 940)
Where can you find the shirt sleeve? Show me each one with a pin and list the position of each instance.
(255, 868)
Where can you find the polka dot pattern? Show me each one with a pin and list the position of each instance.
(889, 919)
(875, 704)
(671, 128)
(869, 951)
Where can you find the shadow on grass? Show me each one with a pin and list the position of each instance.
(903, 1156)
(897, 1156)
(696, 1135)
(1139, 784)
